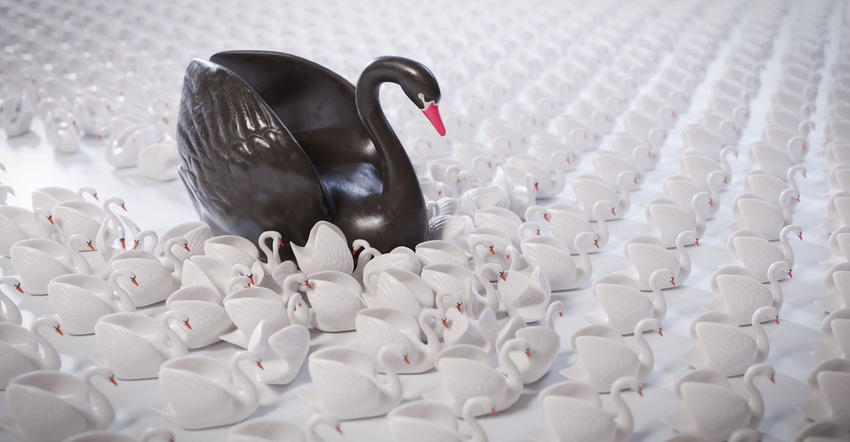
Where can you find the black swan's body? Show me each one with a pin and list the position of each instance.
(270, 141)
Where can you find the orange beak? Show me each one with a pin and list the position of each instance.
(673, 281)
(133, 280)
(660, 333)
(260, 364)
(445, 324)
(59, 330)
(114, 382)
(789, 274)
(503, 276)
(186, 323)
(640, 392)
(494, 413)
(18, 288)
(406, 360)
(308, 285)
(123, 243)
(776, 320)
(50, 218)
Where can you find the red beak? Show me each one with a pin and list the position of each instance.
(186, 248)
(445, 324)
(776, 320)
(18, 288)
(432, 113)
(640, 392)
(672, 281)
(308, 285)
(260, 364)
(123, 243)
(660, 333)
(114, 382)
(186, 323)
(503, 276)
(59, 330)
(494, 413)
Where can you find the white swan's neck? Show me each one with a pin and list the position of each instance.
(290, 284)
(391, 391)
(9, 311)
(172, 258)
(786, 201)
(178, 346)
(292, 306)
(646, 357)
(432, 341)
(684, 259)
(513, 383)
(102, 414)
(775, 288)
(762, 342)
(78, 260)
(468, 412)
(623, 182)
(320, 419)
(125, 303)
(50, 357)
(599, 214)
(659, 303)
(623, 421)
(247, 394)
(271, 253)
(787, 251)
(491, 297)
(139, 238)
(585, 267)
(554, 306)
(756, 401)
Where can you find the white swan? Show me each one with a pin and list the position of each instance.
(380, 326)
(753, 212)
(232, 250)
(549, 175)
(399, 289)
(489, 245)
(154, 281)
(609, 164)
(770, 187)
(754, 252)
(203, 392)
(49, 406)
(666, 219)
(439, 251)
(461, 327)
(567, 222)
(467, 372)
(682, 190)
(453, 278)
(622, 305)
(835, 330)
(9, 311)
(37, 261)
(194, 235)
(134, 345)
(646, 254)
(836, 284)
(247, 306)
(525, 293)
(326, 249)
(24, 350)
(829, 395)
(769, 159)
(710, 409)
(80, 299)
(719, 343)
(839, 247)
(335, 298)
(738, 294)
(283, 350)
(590, 189)
(552, 257)
(603, 356)
(698, 166)
(345, 384)
(575, 419)
(425, 421)
(544, 343)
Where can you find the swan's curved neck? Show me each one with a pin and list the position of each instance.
(756, 402)
(50, 357)
(102, 414)
(762, 342)
(178, 346)
(271, 253)
(585, 267)
(315, 421)
(550, 314)
(172, 258)
(125, 303)
(624, 182)
(248, 391)
(601, 225)
(646, 358)
(391, 390)
(775, 288)
(624, 422)
(491, 297)
(396, 169)
(659, 303)
(514, 380)
(478, 433)
(787, 251)
(684, 260)
(79, 261)
(432, 341)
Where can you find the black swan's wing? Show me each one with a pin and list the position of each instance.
(314, 103)
(243, 168)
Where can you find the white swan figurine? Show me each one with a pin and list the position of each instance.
(719, 343)
(426, 421)
(829, 395)
(283, 350)
(836, 285)
(335, 298)
(9, 311)
(134, 345)
(49, 406)
(835, 329)
(466, 372)
(80, 299)
(590, 189)
(738, 294)
(37, 261)
(566, 222)
(249, 305)
(622, 305)
(552, 256)
(232, 249)
(380, 326)
(708, 407)
(699, 167)
(839, 247)
(682, 190)
(204, 392)
(753, 212)
(603, 356)
(525, 294)
(326, 249)
(399, 289)
(666, 219)
(544, 343)
(24, 350)
(751, 250)
(646, 254)
(437, 251)
(207, 315)
(576, 419)
(344, 381)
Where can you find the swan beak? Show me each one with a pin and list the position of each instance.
(492, 251)
(596, 243)
(561, 314)
(59, 330)
(776, 320)
(135, 244)
(503, 276)
(537, 232)
(432, 113)
(18, 288)
(260, 364)
(123, 243)
(800, 236)
(308, 285)
(661, 332)
(114, 382)
(90, 245)
(300, 304)
(640, 392)
(406, 360)
(50, 219)
(459, 308)
(528, 352)
(789, 274)
(546, 217)
(710, 203)
(804, 176)
(94, 194)
(697, 242)
(537, 187)
(635, 181)
(339, 429)
(726, 180)
(282, 244)
(445, 324)
(251, 279)
(186, 248)
(133, 280)
(494, 413)
(613, 212)
(673, 281)
(772, 380)
(186, 323)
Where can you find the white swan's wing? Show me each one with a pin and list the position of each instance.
(124, 349)
(74, 303)
(246, 313)
(326, 249)
(375, 333)
(467, 378)
(341, 387)
(391, 292)
(334, 304)
(726, 346)
(38, 412)
(605, 359)
(575, 419)
(291, 343)
(623, 305)
(193, 396)
(715, 410)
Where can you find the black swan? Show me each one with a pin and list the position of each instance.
(271, 141)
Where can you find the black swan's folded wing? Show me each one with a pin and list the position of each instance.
(314, 103)
(244, 169)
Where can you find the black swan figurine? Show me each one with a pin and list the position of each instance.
(271, 141)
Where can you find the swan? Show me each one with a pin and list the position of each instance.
(426, 421)
(17, 113)
(400, 258)
(682, 190)
(835, 329)
(461, 327)
(500, 219)
(345, 384)
(326, 249)
(768, 159)
(335, 298)
(134, 345)
(550, 175)
(566, 222)
(232, 250)
(553, 259)
(738, 294)
(439, 251)
(17, 223)
(204, 392)
(609, 164)
(150, 434)
(666, 219)
(525, 293)
(575, 419)
(80, 299)
(711, 410)
(193, 233)
(698, 166)
(49, 406)
(247, 306)
(828, 392)
(488, 245)
(37, 261)
(839, 247)
(283, 350)
(466, 372)
(380, 326)
(208, 317)
(204, 270)
(751, 250)
(75, 217)
(589, 189)
(9, 311)
(646, 254)
(768, 186)
(549, 147)
(836, 288)
(577, 391)
(350, 185)
(47, 197)
(25, 350)
(399, 289)
(603, 356)
(153, 283)
(751, 211)
(700, 139)
(622, 305)
(272, 430)
(544, 343)
(719, 343)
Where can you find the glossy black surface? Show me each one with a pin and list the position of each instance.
(271, 141)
